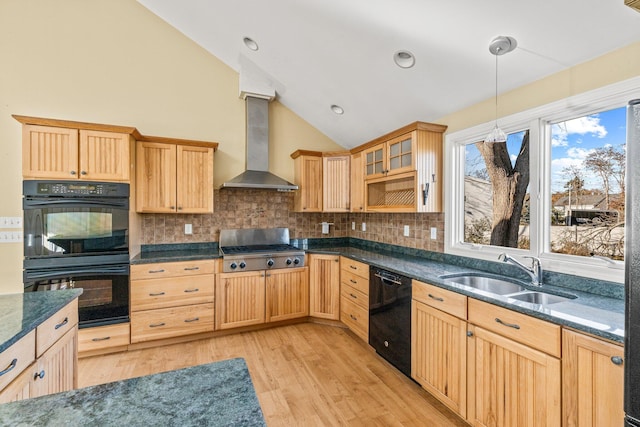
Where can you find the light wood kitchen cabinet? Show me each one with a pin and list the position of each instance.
(45, 359)
(336, 182)
(439, 344)
(324, 286)
(287, 294)
(592, 381)
(390, 157)
(60, 149)
(354, 296)
(240, 299)
(357, 183)
(171, 299)
(513, 372)
(308, 177)
(174, 176)
(103, 339)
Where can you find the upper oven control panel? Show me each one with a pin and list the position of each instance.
(75, 189)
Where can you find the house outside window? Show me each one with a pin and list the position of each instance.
(572, 215)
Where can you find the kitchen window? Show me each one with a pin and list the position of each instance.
(572, 214)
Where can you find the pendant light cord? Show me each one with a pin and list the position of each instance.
(496, 55)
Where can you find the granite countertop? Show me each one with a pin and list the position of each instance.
(598, 308)
(22, 313)
(216, 394)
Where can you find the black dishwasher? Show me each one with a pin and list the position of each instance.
(390, 317)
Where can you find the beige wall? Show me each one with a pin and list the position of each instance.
(114, 62)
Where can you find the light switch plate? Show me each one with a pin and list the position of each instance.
(364, 226)
(406, 231)
(188, 229)
(434, 233)
(353, 225)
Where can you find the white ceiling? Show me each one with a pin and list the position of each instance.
(316, 53)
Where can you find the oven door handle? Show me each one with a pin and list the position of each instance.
(43, 274)
(51, 203)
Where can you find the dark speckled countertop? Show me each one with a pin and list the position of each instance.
(598, 308)
(22, 313)
(215, 394)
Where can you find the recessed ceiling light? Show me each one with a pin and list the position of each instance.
(250, 43)
(404, 59)
(337, 109)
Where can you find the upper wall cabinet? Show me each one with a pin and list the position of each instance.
(324, 181)
(403, 169)
(308, 177)
(60, 149)
(174, 176)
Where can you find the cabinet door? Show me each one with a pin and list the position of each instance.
(375, 162)
(104, 156)
(438, 355)
(49, 152)
(194, 184)
(324, 286)
(20, 388)
(308, 171)
(240, 299)
(357, 183)
(400, 154)
(56, 370)
(287, 294)
(335, 183)
(155, 177)
(592, 382)
(511, 384)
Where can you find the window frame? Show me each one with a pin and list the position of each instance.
(538, 120)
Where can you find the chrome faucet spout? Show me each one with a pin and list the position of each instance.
(535, 271)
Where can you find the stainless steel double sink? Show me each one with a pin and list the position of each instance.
(499, 285)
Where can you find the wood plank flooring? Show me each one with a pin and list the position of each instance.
(304, 375)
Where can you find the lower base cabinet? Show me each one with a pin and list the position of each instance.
(592, 378)
(103, 338)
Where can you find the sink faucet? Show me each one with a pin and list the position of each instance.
(535, 271)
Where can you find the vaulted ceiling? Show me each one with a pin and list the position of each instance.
(317, 53)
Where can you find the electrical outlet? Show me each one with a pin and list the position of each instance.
(364, 226)
(353, 225)
(188, 229)
(11, 222)
(10, 236)
(434, 233)
(406, 231)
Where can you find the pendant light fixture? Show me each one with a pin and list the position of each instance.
(499, 46)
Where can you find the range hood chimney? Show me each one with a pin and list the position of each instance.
(257, 173)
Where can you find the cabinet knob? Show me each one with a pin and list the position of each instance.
(83, 172)
(72, 172)
(616, 360)
(469, 333)
(39, 375)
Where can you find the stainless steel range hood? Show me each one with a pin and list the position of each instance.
(257, 173)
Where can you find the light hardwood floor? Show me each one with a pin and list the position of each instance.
(304, 375)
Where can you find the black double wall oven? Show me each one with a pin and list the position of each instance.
(76, 234)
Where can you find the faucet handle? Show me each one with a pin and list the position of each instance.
(534, 260)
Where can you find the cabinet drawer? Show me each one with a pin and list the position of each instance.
(355, 267)
(172, 269)
(442, 299)
(171, 292)
(16, 358)
(103, 337)
(350, 279)
(354, 295)
(525, 329)
(52, 329)
(171, 322)
(355, 317)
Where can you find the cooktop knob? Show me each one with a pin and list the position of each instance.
(289, 261)
(243, 264)
(270, 263)
(296, 261)
(233, 265)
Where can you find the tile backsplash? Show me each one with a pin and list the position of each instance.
(240, 208)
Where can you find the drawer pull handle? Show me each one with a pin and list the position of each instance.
(39, 375)
(510, 325)
(435, 298)
(100, 339)
(191, 268)
(156, 325)
(12, 365)
(353, 296)
(156, 294)
(617, 360)
(195, 319)
(192, 290)
(353, 267)
(156, 271)
(353, 317)
(353, 281)
(61, 324)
